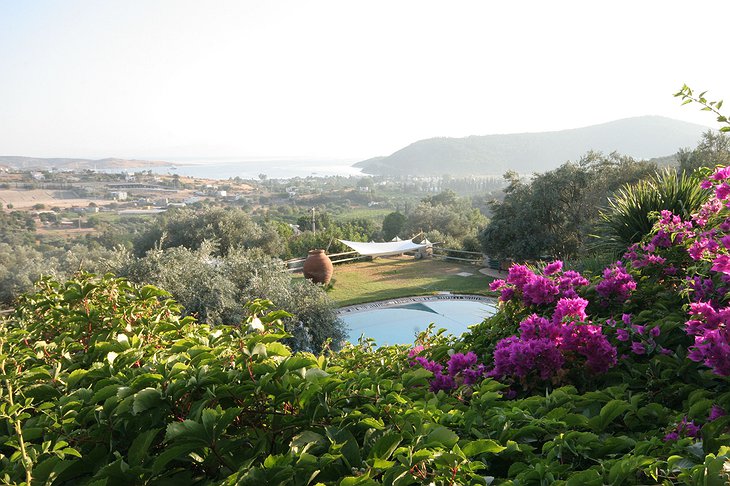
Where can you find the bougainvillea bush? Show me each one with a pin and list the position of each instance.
(620, 378)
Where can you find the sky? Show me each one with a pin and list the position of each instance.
(339, 79)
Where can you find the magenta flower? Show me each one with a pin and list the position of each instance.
(686, 428)
(459, 362)
(569, 281)
(414, 351)
(721, 264)
(715, 413)
(519, 275)
(506, 294)
(638, 348)
(616, 283)
(575, 308)
(721, 173)
(552, 268)
(722, 191)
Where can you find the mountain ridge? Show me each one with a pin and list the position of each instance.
(644, 137)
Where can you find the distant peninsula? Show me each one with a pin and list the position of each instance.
(645, 137)
(40, 163)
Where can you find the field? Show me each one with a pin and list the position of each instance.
(26, 199)
(355, 213)
(391, 277)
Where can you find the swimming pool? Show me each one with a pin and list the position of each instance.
(398, 321)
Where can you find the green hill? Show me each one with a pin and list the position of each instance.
(643, 137)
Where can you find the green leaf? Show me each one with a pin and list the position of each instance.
(358, 481)
(303, 441)
(416, 377)
(146, 399)
(591, 477)
(75, 377)
(298, 361)
(187, 429)
(277, 349)
(385, 446)
(482, 446)
(443, 436)
(46, 471)
(608, 414)
(140, 446)
(315, 374)
(104, 393)
(171, 454)
(372, 422)
(382, 464)
(259, 350)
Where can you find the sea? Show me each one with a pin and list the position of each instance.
(272, 168)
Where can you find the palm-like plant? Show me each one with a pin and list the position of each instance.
(633, 209)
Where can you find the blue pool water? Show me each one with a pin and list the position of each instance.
(400, 323)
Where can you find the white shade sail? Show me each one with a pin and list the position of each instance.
(383, 249)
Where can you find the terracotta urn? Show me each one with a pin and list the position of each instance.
(318, 267)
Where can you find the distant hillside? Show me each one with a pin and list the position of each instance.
(643, 137)
(66, 163)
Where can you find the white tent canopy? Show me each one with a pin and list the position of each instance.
(383, 249)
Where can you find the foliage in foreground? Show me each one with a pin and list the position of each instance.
(106, 383)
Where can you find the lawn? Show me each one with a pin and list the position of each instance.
(391, 277)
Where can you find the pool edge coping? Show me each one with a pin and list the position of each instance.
(384, 304)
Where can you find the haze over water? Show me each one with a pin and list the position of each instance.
(250, 168)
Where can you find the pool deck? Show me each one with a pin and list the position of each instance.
(490, 272)
(352, 309)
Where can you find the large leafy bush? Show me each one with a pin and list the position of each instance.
(629, 215)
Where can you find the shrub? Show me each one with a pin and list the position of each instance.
(632, 211)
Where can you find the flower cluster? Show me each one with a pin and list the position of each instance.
(536, 290)
(640, 339)
(546, 346)
(685, 428)
(617, 283)
(711, 329)
(709, 323)
(688, 428)
(692, 256)
(461, 369)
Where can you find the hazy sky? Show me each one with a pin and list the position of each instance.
(339, 78)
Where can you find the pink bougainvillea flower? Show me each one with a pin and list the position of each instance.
(715, 413)
(638, 348)
(519, 275)
(553, 267)
(721, 264)
(570, 308)
(497, 284)
(721, 173)
(722, 191)
(414, 351)
(539, 290)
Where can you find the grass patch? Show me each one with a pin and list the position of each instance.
(364, 213)
(392, 277)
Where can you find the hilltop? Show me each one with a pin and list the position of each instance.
(644, 137)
